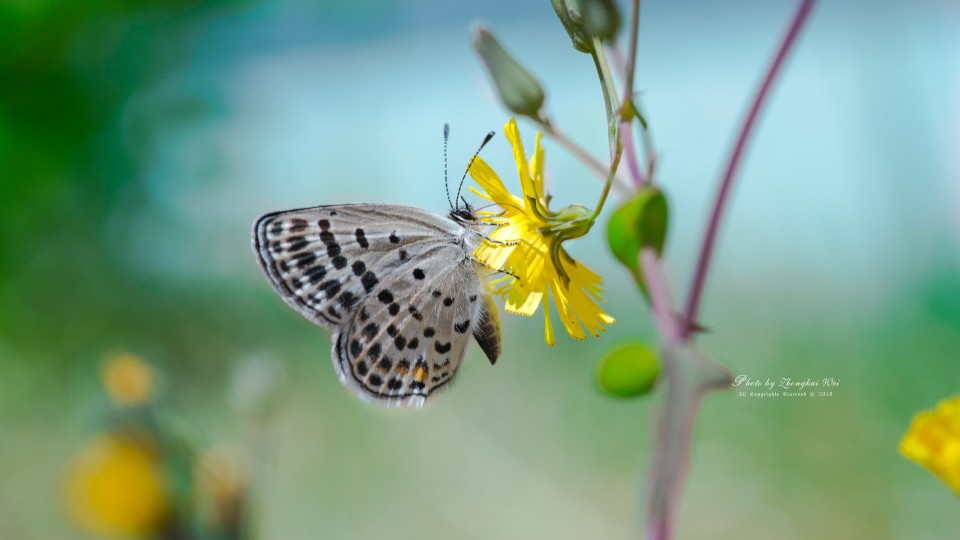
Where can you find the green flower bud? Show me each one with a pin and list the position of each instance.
(640, 222)
(601, 18)
(518, 89)
(569, 13)
(628, 371)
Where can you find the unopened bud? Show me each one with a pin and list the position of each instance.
(601, 18)
(518, 89)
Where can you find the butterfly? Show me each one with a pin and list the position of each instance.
(397, 285)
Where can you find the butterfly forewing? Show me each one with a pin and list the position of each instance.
(396, 283)
(322, 260)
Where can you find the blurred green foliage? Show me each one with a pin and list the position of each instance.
(69, 160)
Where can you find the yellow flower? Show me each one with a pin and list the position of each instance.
(933, 440)
(116, 488)
(526, 244)
(128, 379)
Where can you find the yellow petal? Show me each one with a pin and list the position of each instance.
(547, 326)
(536, 168)
(523, 302)
(489, 181)
(933, 441)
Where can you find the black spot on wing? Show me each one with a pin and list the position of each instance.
(330, 287)
(369, 281)
(305, 259)
(348, 300)
(362, 238)
(298, 224)
(315, 274)
(297, 243)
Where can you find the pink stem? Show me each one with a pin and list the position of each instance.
(706, 251)
(626, 132)
(688, 377)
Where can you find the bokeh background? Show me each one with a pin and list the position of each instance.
(140, 139)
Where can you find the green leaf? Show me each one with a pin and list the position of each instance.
(640, 118)
(520, 91)
(638, 223)
(629, 370)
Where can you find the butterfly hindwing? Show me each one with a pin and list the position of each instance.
(409, 337)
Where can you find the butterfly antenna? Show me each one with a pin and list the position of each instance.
(446, 181)
(475, 154)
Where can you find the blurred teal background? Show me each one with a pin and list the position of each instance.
(140, 139)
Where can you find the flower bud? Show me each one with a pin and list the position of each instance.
(518, 89)
(640, 222)
(628, 371)
(601, 18)
(569, 13)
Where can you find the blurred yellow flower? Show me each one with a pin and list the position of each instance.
(116, 488)
(527, 244)
(933, 440)
(128, 379)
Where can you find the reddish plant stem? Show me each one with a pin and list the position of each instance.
(706, 251)
(632, 162)
(690, 376)
(629, 71)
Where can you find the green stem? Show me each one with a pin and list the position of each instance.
(613, 126)
(618, 152)
(609, 93)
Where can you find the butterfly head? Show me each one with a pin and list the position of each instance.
(463, 215)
